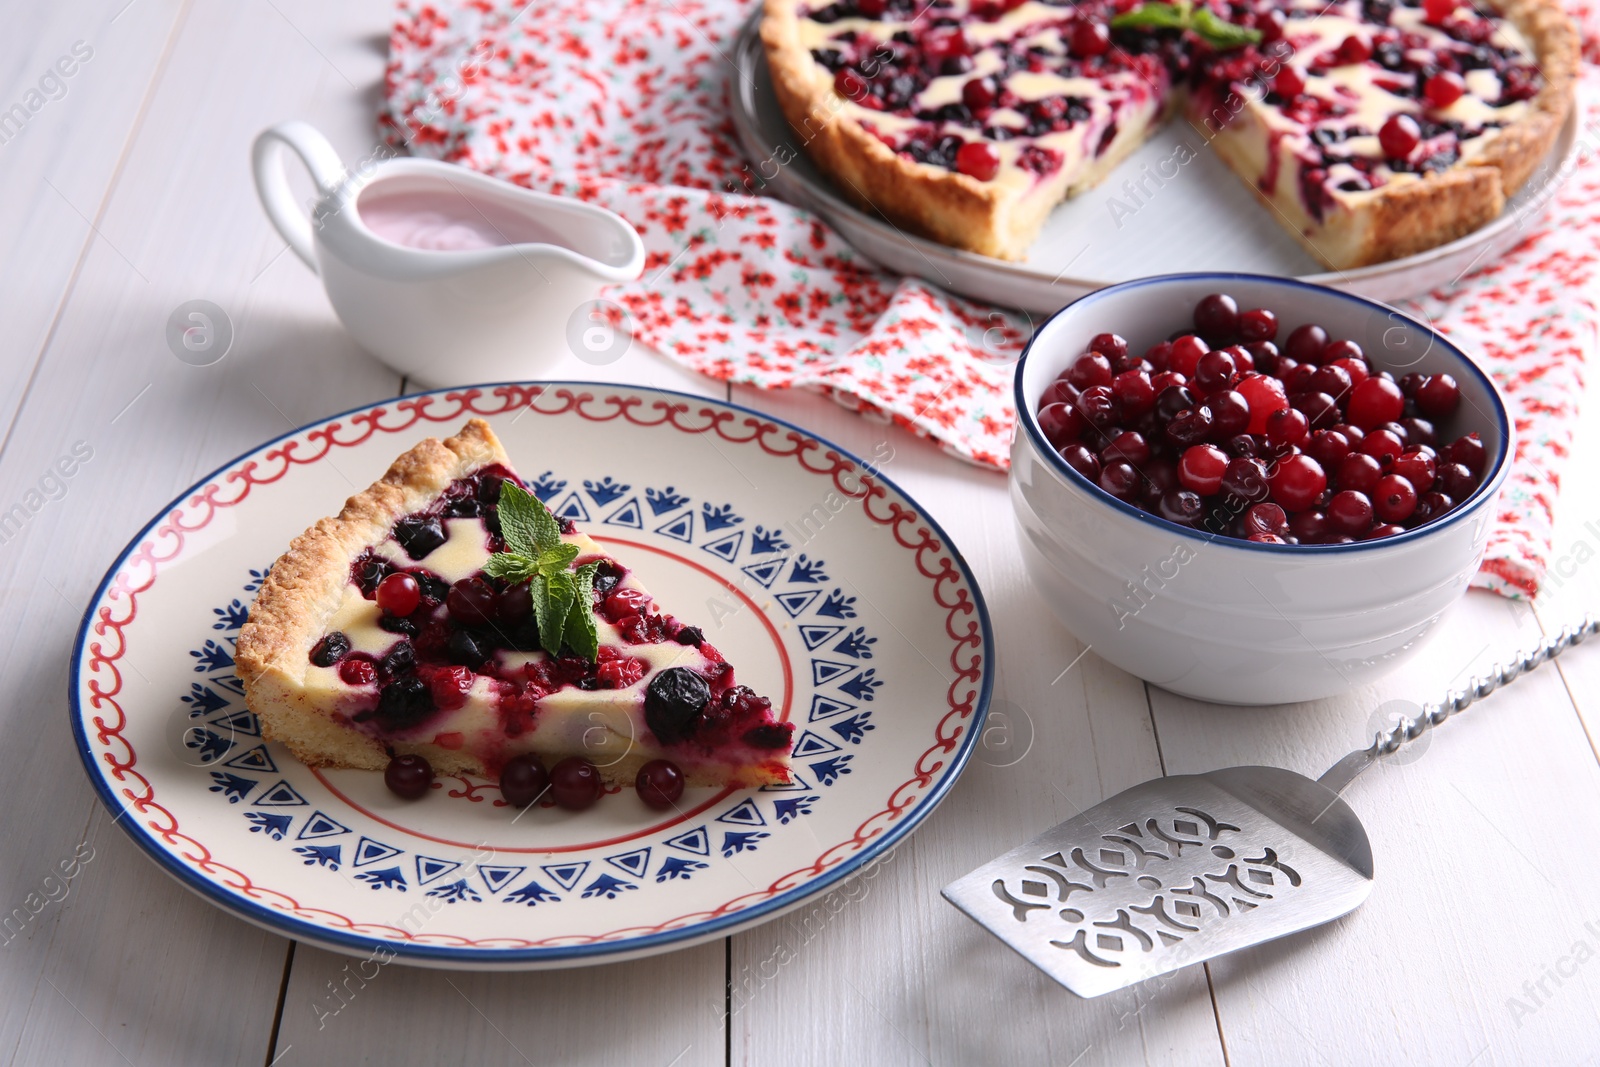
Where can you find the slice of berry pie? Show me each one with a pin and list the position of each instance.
(1374, 128)
(445, 613)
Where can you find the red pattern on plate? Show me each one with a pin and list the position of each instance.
(142, 567)
(628, 107)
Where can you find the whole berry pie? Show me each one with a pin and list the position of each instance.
(1374, 128)
(445, 614)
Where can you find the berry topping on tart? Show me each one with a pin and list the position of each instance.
(447, 615)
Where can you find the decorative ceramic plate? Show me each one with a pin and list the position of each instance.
(831, 589)
(1199, 217)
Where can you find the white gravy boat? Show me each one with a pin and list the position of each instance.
(447, 275)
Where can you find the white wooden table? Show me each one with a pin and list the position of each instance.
(129, 193)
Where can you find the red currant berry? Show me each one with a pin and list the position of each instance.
(1356, 367)
(1437, 399)
(1264, 519)
(1320, 409)
(1353, 434)
(1310, 527)
(1112, 346)
(1360, 472)
(1215, 371)
(1127, 446)
(1456, 481)
(1158, 354)
(978, 159)
(1164, 380)
(1417, 468)
(1098, 406)
(1444, 88)
(1135, 392)
(523, 780)
(1181, 506)
(359, 672)
(515, 603)
(1090, 39)
(1297, 482)
(408, 776)
(1061, 424)
(1305, 344)
(1080, 459)
(1331, 379)
(1420, 433)
(1349, 513)
(979, 93)
(872, 9)
(850, 85)
(945, 42)
(1201, 468)
(659, 784)
(1430, 506)
(1328, 447)
(1060, 391)
(1399, 136)
(1267, 358)
(1289, 82)
(1216, 318)
(1382, 446)
(1230, 413)
(471, 602)
(1120, 480)
(1265, 395)
(574, 783)
(1394, 499)
(1470, 453)
(1189, 427)
(1436, 11)
(399, 594)
(1375, 402)
(1287, 427)
(1245, 478)
(1091, 369)
(1271, 24)
(450, 687)
(1257, 324)
(1186, 353)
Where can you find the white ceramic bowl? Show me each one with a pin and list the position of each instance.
(1218, 618)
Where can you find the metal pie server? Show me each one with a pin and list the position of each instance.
(1183, 869)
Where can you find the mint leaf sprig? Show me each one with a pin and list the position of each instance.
(1204, 23)
(562, 599)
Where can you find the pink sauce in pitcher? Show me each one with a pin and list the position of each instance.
(447, 221)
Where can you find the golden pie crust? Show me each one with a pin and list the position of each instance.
(306, 585)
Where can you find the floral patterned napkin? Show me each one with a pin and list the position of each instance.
(627, 106)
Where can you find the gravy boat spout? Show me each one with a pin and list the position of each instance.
(448, 275)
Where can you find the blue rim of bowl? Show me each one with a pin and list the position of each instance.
(1028, 420)
(280, 923)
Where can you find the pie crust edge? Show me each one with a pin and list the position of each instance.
(306, 585)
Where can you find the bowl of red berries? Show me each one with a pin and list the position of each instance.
(1251, 490)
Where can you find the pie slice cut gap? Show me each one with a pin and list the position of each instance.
(463, 678)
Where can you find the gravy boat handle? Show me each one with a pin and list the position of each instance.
(272, 184)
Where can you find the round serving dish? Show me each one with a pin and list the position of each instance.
(1227, 620)
(1204, 219)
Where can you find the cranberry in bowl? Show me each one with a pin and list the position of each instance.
(1251, 490)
